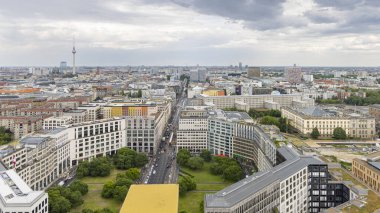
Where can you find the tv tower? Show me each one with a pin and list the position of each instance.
(74, 51)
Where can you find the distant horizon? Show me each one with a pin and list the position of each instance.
(224, 66)
(189, 32)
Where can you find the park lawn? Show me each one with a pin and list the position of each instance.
(204, 175)
(207, 183)
(373, 203)
(93, 199)
(190, 202)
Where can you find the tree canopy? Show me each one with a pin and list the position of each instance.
(269, 120)
(315, 133)
(206, 155)
(62, 199)
(183, 156)
(195, 163)
(339, 133)
(97, 167)
(225, 167)
(6, 135)
(126, 158)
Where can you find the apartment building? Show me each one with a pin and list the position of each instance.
(78, 115)
(55, 122)
(221, 127)
(93, 112)
(374, 111)
(192, 130)
(21, 125)
(35, 160)
(284, 188)
(305, 119)
(145, 131)
(41, 111)
(96, 138)
(368, 170)
(17, 196)
(246, 102)
(252, 145)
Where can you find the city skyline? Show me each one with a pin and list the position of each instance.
(181, 32)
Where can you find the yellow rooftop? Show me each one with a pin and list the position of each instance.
(155, 198)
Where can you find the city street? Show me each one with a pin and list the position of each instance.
(162, 167)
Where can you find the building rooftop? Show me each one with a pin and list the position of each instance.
(158, 198)
(31, 140)
(253, 184)
(15, 191)
(374, 164)
(237, 116)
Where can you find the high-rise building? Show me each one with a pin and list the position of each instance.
(198, 75)
(240, 66)
(254, 72)
(63, 67)
(293, 74)
(192, 130)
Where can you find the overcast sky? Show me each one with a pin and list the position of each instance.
(190, 32)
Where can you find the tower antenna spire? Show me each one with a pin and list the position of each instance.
(74, 51)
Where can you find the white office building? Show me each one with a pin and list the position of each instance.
(17, 196)
(192, 130)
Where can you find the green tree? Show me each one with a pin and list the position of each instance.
(233, 173)
(75, 197)
(82, 170)
(140, 160)
(59, 204)
(339, 133)
(284, 126)
(315, 133)
(6, 136)
(269, 120)
(168, 77)
(99, 167)
(108, 189)
(201, 206)
(133, 173)
(182, 187)
(87, 211)
(206, 155)
(216, 169)
(139, 93)
(104, 210)
(120, 192)
(126, 158)
(183, 156)
(195, 163)
(79, 186)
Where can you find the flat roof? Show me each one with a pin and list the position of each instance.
(157, 198)
(242, 189)
(375, 164)
(31, 140)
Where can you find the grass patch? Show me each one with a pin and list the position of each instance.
(346, 176)
(190, 202)
(93, 199)
(205, 181)
(373, 203)
(203, 175)
(296, 141)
